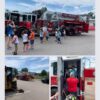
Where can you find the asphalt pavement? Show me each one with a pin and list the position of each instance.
(33, 90)
(83, 44)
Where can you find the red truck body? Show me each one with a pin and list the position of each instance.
(71, 23)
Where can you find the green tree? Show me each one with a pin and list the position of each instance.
(43, 73)
(16, 71)
(24, 70)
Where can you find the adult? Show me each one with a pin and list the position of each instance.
(41, 35)
(72, 83)
(58, 36)
(45, 32)
(10, 32)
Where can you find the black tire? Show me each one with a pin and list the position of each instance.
(53, 90)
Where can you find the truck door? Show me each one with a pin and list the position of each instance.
(89, 80)
(60, 73)
(79, 76)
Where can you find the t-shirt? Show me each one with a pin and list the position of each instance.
(25, 37)
(72, 84)
(15, 39)
(58, 34)
(41, 34)
(32, 36)
(44, 29)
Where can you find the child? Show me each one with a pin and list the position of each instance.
(47, 36)
(31, 38)
(44, 35)
(15, 41)
(64, 33)
(25, 40)
(58, 36)
(41, 35)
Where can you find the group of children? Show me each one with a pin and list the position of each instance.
(28, 40)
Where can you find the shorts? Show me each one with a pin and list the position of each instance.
(9, 35)
(31, 42)
(58, 39)
(41, 38)
(16, 45)
(25, 42)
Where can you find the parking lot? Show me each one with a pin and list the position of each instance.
(35, 90)
(83, 44)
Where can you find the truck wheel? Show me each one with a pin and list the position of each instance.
(53, 90)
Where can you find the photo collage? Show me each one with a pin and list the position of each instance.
(49, 50)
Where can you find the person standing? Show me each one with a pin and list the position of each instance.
(44, 32)
(73, 70)
(15, 41)
(10, 32)
(64, 33)
(41, 35)
(32, 38)
(72, 83)
(25, 40)
(58, 36)
(47, 35)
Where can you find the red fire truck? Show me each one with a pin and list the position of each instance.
(85, 74)
(73, 24)
(22, 20)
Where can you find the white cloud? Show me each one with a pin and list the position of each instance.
(39, 66)
(59, 5)
(34, 64)
(31, 7)
(66, 2)
(43, 59)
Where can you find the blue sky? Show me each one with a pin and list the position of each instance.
(34, 64)
(67, 6)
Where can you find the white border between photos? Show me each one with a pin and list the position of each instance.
(97, 49)
(2, 51)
